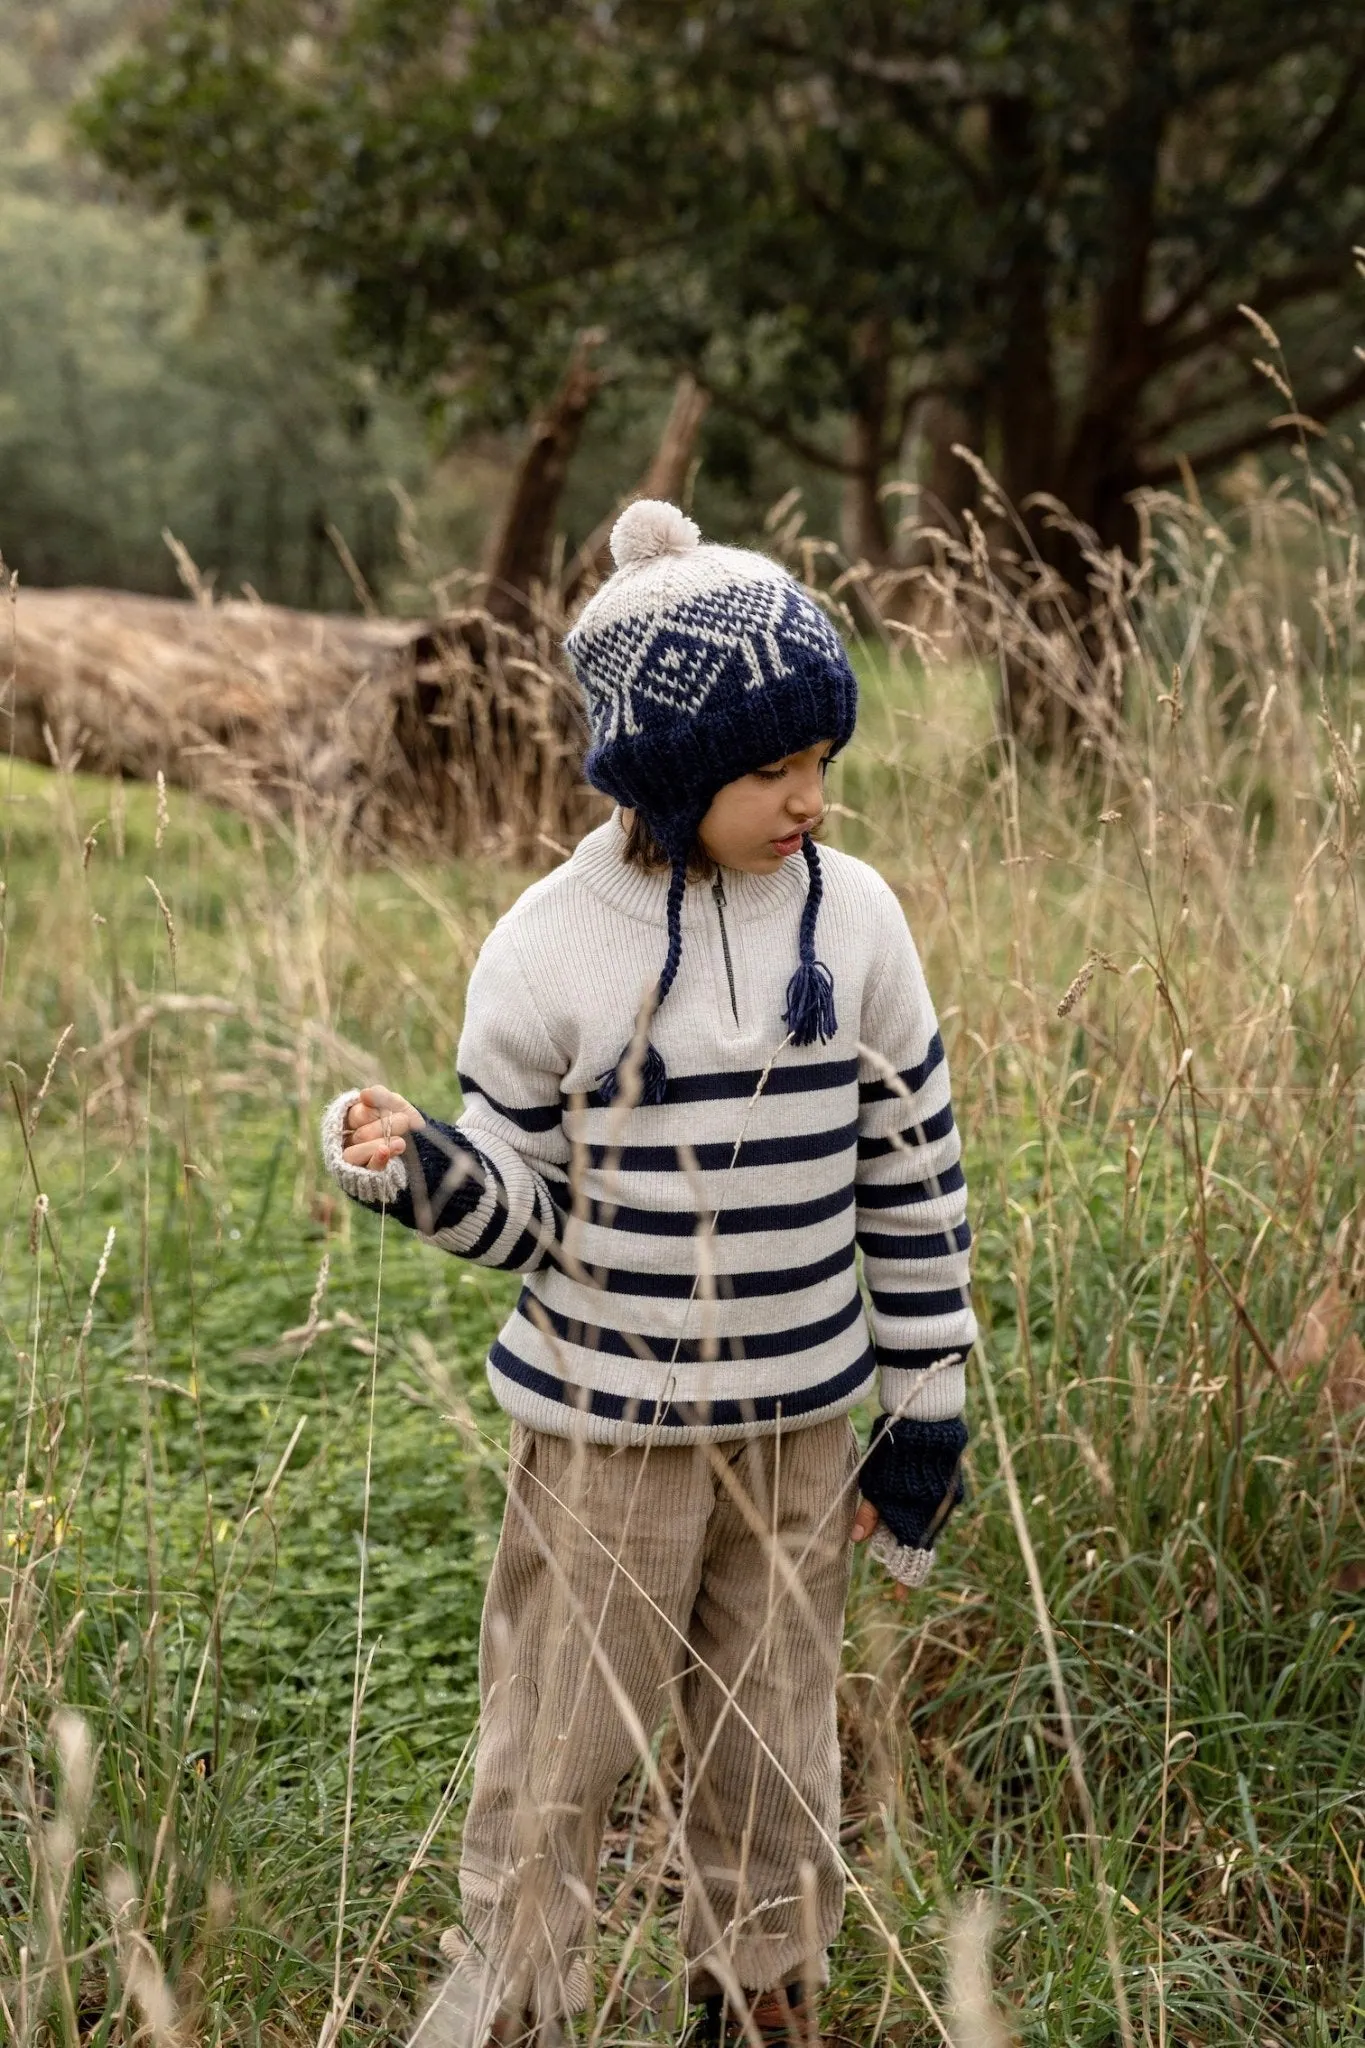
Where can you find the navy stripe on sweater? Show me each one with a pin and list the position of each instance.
(684, 1414)
(445, 1179)
(536, 1243)
(929, 1244)
(936, 1301)
(912, 1078)
(497, 1221)
(724, 1286)
(797, 1079)
(540, 1118)
(686, 1222)
(918, 1361)
(752, 1152)
(892, 1194)
(923, 1133)
(690, 1350)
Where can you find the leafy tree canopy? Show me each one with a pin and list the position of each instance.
(1047, 211)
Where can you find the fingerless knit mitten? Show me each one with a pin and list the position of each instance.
(912, 1475)
(428, 1198)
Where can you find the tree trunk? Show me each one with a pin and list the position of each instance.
(863, 525)
(1034, 706)
(520, 552)
(1026, 387)
(1062, 682)
(1101, 466)
(667, 477)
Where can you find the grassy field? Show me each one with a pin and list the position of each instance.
(1128, 1712)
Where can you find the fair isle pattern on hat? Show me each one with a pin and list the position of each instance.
(700, 664)
(676, 657)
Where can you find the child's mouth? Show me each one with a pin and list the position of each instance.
(787, 845)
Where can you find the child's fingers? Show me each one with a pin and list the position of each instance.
(376, 1128)
(374, 1153)
(381, 1109)
(383, 1100)
(865, 1521)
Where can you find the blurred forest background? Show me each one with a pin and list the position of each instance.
(152, 378)
(271, 270)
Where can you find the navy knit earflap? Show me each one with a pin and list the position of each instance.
(810, 992)
(653, 1075)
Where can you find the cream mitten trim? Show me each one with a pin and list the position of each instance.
(910, 1567)
(361, 1183)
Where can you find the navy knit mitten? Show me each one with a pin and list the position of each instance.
(446, 1193)
(912, 1475)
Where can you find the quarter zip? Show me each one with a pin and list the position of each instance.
(718, 891)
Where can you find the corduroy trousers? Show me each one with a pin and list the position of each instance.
(709, 1578)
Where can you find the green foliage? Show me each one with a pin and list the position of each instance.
(149, 384)
(1051, 211)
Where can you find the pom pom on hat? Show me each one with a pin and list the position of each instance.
(649, 528)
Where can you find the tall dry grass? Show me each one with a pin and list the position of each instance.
(1127, 1712)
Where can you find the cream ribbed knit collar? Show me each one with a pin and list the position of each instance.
(599, 864)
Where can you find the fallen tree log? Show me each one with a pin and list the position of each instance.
(459, 735)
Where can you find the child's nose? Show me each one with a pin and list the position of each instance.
(804, 799)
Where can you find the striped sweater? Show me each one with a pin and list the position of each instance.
(691, 1268)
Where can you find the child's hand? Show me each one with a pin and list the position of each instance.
(377, 1123)
(864, 1523)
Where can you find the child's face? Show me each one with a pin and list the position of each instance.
(756, 823)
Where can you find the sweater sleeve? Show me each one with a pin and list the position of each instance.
(492, 1186)
(914, 1237)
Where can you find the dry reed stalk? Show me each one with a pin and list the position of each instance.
(976, 2020)
(1075, 1758)
(144, 1980)
(54, 1854)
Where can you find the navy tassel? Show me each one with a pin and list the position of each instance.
(810, 1004)
(810, 992)
(653, 1078)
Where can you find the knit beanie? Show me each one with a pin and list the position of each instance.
(700, 664)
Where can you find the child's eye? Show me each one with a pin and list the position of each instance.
(771, 774)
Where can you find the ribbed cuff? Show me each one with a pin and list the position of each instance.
(904, 1562)
(375, 1189)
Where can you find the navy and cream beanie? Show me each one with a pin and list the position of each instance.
(700, 664)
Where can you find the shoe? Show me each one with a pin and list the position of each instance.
(780, 2018)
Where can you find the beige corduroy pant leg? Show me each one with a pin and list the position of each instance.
(713, 1578)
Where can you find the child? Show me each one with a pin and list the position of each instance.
(686, 1199)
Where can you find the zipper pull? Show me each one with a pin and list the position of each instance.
(718, 891)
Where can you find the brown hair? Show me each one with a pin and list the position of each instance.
(642, 850)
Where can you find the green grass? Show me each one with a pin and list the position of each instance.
(1195, 1514)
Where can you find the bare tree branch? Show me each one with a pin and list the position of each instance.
(1265, 296)
(1259, 212)
(1321, 406)
(912, 109)
(779, 431)
(1186, 407)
